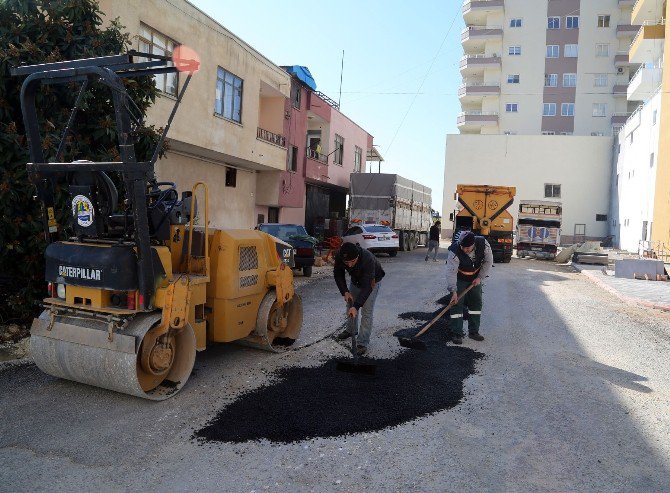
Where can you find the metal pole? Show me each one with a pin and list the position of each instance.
(341, 72)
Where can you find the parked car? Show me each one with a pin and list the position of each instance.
(374, 237)
(297, 237)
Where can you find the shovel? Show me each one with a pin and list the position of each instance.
(414, 342)
(354, 365)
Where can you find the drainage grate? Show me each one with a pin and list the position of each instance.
(248, 258)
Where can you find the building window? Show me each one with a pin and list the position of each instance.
(514, 50)
(548, 132)
(339, 149)
(553, 51)
(651, 160)
(554, 23)
(600, 80)
(231, 177)
(566, 133)
(603, 21)
(358, 157)
(515, 23)
(292, 162)
(513, 79)
(599, 109)
(550, 80)
(552, 191)
(568, 109)
(602, 50)
(296, 95)
(512, 107)
(569, 80)
(601, 217)
(549, 109)
(571, 51)
(572, 22)
(153, 42)
(228, 95)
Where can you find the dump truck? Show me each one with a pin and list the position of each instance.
(538, 229)
(484, 211)
(135, 285)
(403, 205)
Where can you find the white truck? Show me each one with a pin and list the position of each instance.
(538, 229)
(389, 199)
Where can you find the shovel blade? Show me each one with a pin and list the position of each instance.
(412, 343)
(361, 368)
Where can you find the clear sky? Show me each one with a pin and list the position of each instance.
(401, 70)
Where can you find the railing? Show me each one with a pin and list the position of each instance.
(463, 88)
(270, 137)
(644, 24)
(465, 33)
(317, 156)
(331, 102)
(462, 116)
(478, 56)
(467, 4)
(654, 249)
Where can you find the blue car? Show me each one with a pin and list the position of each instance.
(297, 237)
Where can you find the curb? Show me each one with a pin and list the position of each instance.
(627, 299)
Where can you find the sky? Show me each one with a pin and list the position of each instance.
(401, 67)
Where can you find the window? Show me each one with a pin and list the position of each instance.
(292, 162)
(568, 109)
(513, 79)
(549, 109)
(554, 23)
(514, 50)
(231, 177)
(599, 109)
(552, 191)
(550, 80)
(572, 22)
(553, 51)
(548, 132)
(339, 149)
(358, 156)
(296, 94)
(228, 95)
(158, 44)
(651, 160)
(512, 107)
(601, 217)
(653, 117)
(602, 50)
(566, 133)
(600, 80)
(571, 51)
(569, 80)
(603, 21)
(515, 23)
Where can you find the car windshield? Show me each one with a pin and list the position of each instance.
(378, 229)
(284, 231)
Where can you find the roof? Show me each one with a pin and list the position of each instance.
(303, 74)
(374, 155)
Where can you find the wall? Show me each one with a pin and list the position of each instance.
(353, 136)
(292, 184)
(581, 165)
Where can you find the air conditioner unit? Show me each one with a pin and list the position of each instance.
(619, 70)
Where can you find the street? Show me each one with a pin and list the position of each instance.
(570, 393)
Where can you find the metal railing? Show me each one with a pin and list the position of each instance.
(646, 24)
(328, 100)
(478, 56)
(465, 33)
(271, 137)
(317, 156)
(654, 249)
(467, 4)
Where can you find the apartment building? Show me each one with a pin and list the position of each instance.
(640, 188)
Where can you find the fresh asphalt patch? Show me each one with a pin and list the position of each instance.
(306, 403)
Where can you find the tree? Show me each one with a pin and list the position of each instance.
(43, 31)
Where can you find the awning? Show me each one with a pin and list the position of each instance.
(374, 155)
(303, 75)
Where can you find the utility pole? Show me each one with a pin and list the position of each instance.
(341, 73)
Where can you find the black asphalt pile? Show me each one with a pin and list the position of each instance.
(306, 403)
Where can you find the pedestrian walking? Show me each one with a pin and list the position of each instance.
(365, 273)
(469, 260)
(434, 240)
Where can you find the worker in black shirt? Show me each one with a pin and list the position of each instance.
(365, 272)
(434, 240)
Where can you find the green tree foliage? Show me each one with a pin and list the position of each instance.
(43, 31)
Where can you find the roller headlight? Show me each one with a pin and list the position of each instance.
(60, 291)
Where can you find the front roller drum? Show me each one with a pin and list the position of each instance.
(133, 362)
(276, 326)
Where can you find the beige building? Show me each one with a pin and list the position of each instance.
(227, 131)
(545, 66)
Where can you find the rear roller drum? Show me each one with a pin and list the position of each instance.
(276, 325)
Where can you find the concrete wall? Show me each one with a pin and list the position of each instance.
(292, 215)
(353, 136)
(581, 165)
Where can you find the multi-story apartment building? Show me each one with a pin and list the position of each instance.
(640, 210)
(546, 66)
(244, 124)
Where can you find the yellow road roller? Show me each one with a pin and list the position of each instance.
(139, 287)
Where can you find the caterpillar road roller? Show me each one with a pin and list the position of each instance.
(138, 287)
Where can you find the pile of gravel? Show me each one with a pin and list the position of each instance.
(305, 403)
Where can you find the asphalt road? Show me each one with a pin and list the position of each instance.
(571, 395)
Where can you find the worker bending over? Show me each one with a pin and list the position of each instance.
(469, 261)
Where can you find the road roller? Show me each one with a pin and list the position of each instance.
(137, 281)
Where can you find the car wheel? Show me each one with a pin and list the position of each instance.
(393, 253)
(307, 271)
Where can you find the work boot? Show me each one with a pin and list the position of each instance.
(345, 334)
(426, 258)
(361, 350)
(457, 340)
(476, 336)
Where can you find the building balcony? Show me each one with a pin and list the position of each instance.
(475, 91)
(315, 168)
(620, 90)
(647, 46)
(316, 156)
(644, 83)
(469, 121)
(476, 11)
(626, 30)
(272, 138)
(475, 37)
(475, 64)
(621, 59)
(620, 118)
(647, 11)
(626, 3)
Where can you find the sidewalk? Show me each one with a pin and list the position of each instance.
(652, 294)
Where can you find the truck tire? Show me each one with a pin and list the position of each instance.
(507, 259)
(307, 271)
(393, 253)
(405, 241)
(414, 240)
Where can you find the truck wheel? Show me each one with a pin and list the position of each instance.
(307, 271)
(507, 259)
(405, 241)
(415, 241)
